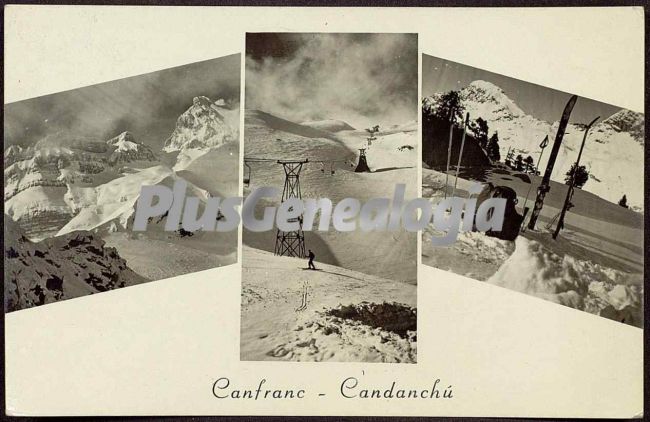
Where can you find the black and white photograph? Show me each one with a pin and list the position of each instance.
(335, 116)
(74, 166)
(571, 170)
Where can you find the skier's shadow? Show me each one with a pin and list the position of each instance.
(391, 169)
(332, 272)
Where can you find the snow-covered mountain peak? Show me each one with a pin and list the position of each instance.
(492, 97)
(486, 87)
(200, 126)
(128, 149)
(627, 121)
(12, 151)
(124, 136)
(125, 141)
(202, 101)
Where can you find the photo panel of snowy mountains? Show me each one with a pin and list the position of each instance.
(74, 165)
(574, 237)
(339, 111)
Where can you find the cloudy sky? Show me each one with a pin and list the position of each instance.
(147, 105)
(439, 75)
(363, 79)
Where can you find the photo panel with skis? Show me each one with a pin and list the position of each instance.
(571, 171)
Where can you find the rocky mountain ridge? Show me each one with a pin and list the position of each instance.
(77, 264)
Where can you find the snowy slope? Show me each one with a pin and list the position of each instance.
(410, 126)
(329, 125)
(108, 211)
(260, 119)
(582, 269)
(391, 150)
(394, 256)
(563, 279)
(613, 152)
(283, 313)
(115, 201)
(40, 210)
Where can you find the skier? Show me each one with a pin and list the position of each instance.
(311, 260)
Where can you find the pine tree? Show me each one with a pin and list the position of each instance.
(519, 163)
(493, 147)
(480, 131)
(450, 102)
(529, 163)
(580, 178)
(509, 158)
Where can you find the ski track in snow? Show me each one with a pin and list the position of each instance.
(283, 313)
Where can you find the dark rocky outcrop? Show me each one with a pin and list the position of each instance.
(60, 268)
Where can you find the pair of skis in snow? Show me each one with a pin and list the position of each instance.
(545, 185)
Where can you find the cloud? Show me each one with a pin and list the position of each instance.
(364, 79)
(147, 105)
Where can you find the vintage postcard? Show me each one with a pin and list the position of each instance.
(324, 211)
